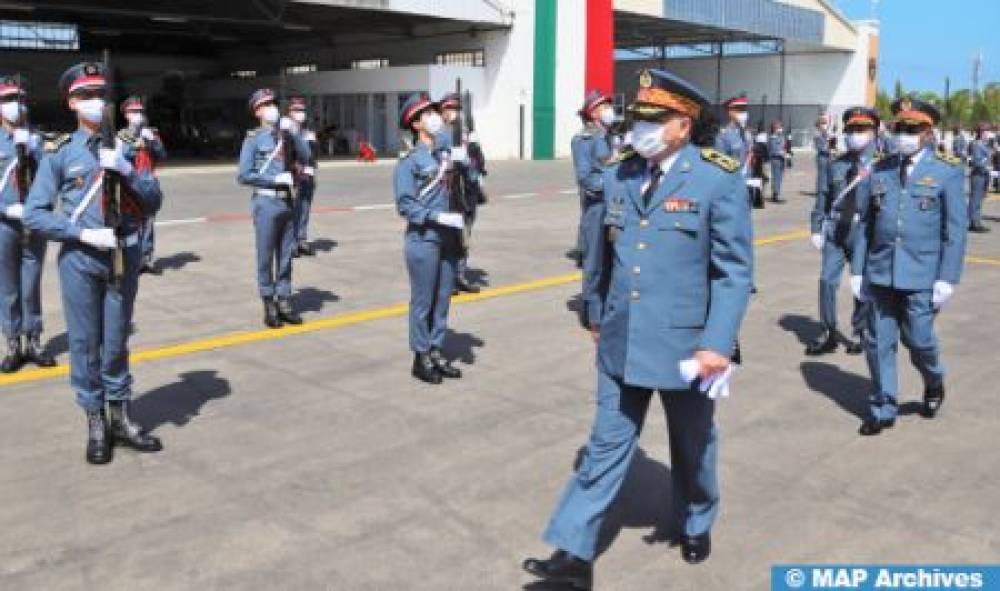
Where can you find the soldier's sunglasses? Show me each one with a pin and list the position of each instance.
(910, 128)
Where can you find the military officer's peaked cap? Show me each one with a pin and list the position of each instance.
(85, 76)
(132, 103)
(413, 107)
(739, 101)
(594, 99)
(11, 87)
(915, 111)
(259, 97)
(297, 103)
(662, 93)
(450, 101)
(860, 116)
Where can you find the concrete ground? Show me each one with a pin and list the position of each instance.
(310, 459)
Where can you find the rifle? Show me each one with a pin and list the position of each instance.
(112, 187)
(457, 190)
(25, 173)
(288, 149)
(474, 150)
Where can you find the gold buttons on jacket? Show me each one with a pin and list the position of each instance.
(641, 246)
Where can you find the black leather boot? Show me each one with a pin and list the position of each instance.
(98, 444)
(271, 318)
(286, 313)
(443, 366)
(13, 360)
(425, 370)
(462, 284)
(305, 249)
(35, 352)
(695, 549)
(854, 347)
(933, 399)
(127, 433)
(562, 568)
(824, 343)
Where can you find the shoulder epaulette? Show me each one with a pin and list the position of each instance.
(622, 156)
(252, 132)
(719, 159)
(948, 159)
(127, 136)
(53, 143)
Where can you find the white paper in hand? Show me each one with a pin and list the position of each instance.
(689, 369)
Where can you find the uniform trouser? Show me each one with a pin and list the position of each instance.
(20, 280)
(777, 172)
(274, 228)
(147, 239)
(579, 227)
(591, 228)
(431, 266)
(835, 257)
(893, 315)
(621, 411)
(98, 319)
(303, 205)
(977, 192)
(463, 263)
(821, 173)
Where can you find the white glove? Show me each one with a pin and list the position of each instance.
(856, 281)
(309, 170)
(112, 159)
(21, 136)
(284, 178)
(103, 238)
(942, 293)
(452, 220)
(458, 154)
(310, 136)
(286, 124)
(818, 241)
(714, 386)
(148, 134)
(15, 211)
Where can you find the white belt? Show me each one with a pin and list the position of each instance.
(131, 240)
(268, 193)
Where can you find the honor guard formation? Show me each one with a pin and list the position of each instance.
(667, 195)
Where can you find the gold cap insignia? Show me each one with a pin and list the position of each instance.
(645, 79)
(905, 105)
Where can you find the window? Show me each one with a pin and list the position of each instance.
(472, 57)
(33, 35)
(370, 64)
(300, 69)
(244, 74)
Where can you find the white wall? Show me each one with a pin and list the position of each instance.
(571, 57)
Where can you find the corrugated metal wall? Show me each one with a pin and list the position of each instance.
(762, 17)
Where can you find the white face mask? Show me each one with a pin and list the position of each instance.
(647, 138)
(432, 123)
(91, 109)
(858, 141)
(135, 119)
(761, 138)
(11, 111)
(908, 143)
(742, 118)
(299, 116)
(271, 114)
(608, 117)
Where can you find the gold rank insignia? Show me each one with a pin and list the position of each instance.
(927, 181)
(719, 159)
(90, 69)
(645, 79)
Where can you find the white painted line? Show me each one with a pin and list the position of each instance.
(519, 196)
(182, 222)
(569, 192)
(374, 206)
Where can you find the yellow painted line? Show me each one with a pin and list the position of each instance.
(339, 321)
(983, 260)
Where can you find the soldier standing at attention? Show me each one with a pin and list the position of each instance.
(22, 253)
(432, 241)
(265, 166)
(306, 176)
(821, 144)
(97, 303)
(591, 149)
(675, 283)
(979, 178)
(834, 223)
(908, 256)
(144, 149)
(776, 154)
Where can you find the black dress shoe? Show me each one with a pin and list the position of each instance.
(127, 433)
(853, 347)
(286, 313)
(933, 399)
(461, 284)
(443, 366)
(978, 228)
(695, 549)
(150, 269)
(98, 445)
(35, 352)
(825, 343)
(562, 568)
(271, 318)
(870, 427)
(425, 370)
(737, 356)
(305, 249)
(13, 360)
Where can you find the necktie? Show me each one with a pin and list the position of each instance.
(654, 183)
(904, 170)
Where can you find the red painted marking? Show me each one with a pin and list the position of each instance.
(600, 59)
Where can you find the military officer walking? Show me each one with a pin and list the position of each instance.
(591, 149)
(733, 139)
(834, 223)
(979, 178)
(22, 253)
(821, 145)
(776, 154)
(675, 286)
(67, 204)
(908, 256)
(142, 147)
(306, 176)
(432, 240)
(267, 167)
